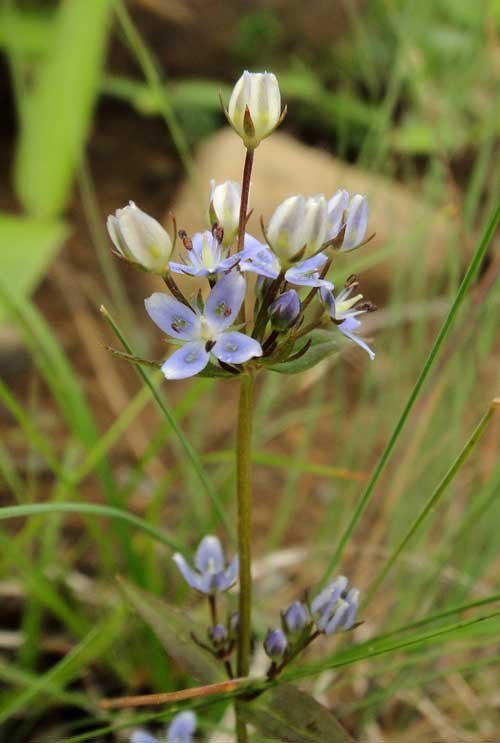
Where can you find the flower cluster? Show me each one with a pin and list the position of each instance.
(218, 332)
(180, 730)
(334, 608)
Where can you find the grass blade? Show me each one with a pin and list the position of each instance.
(445, 328)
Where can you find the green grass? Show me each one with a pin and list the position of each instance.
(399, 466)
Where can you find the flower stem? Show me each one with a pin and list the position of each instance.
(244, 494)
(245, 192)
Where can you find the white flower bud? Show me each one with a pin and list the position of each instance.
(336, 208)
(225, 200)
(139, 238)
(356, 223)
(259, 93)
(297, 227)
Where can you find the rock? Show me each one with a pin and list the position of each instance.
(407, 229)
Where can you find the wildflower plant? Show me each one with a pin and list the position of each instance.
(268, 303)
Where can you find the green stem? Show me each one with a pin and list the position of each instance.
(244, 494)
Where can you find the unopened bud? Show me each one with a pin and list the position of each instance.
(254, 109)
(275, 643)
(284, 311)
(297, 228)
(356, 223)
(218, 634)
(139, 238)
(224, 208)
(295, 617)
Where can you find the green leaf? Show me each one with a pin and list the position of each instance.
(288, 714)
(174, 628)
(323, 344)
(57, 112)
(26, 249)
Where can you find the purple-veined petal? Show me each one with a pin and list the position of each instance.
(173, 317)
(224, 301)
(187, 361)
(336, 208)
(188, 270)
(140, 736)
(348, 328)
(209, 555)
(258, 258)
(356, 222)
(328, 299)
(330, 594)
(307, 273)
(227, 578)
(192, 579)
(182, 728)
(337, 618)
(236, 348)
(352, 599)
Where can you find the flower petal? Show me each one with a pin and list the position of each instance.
(173, 317)
(348, 328)
(188, 270)
(236, 348)
(356, 222)
(328, 299)
(182, 728)
(307, 273)
(228, 578)
(224, 301)
(258, 258)
(209, 555)
(352, 599)
(187, 361)
(140, 736)
(338, 617)
(336, 208)
(192, 579)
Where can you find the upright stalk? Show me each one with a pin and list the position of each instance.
(244, 495)
(245, 192)
(244, 482)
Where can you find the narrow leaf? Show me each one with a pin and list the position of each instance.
(288, 714)
(174, 630)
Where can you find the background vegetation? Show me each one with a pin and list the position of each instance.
(105, 104)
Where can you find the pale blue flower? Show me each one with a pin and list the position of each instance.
(307, 273)
(207, 333)
(295, 617)
(206, 257)
(335, 607)
(275, 643)
(211, 574)
(257, 258)
(182, 727)
(180, 730)
(343, 312)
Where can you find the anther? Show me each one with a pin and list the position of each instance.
(185, 239)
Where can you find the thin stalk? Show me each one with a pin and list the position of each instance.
(244, 495)
(431, 503)
(445, 328)
(245, 192)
